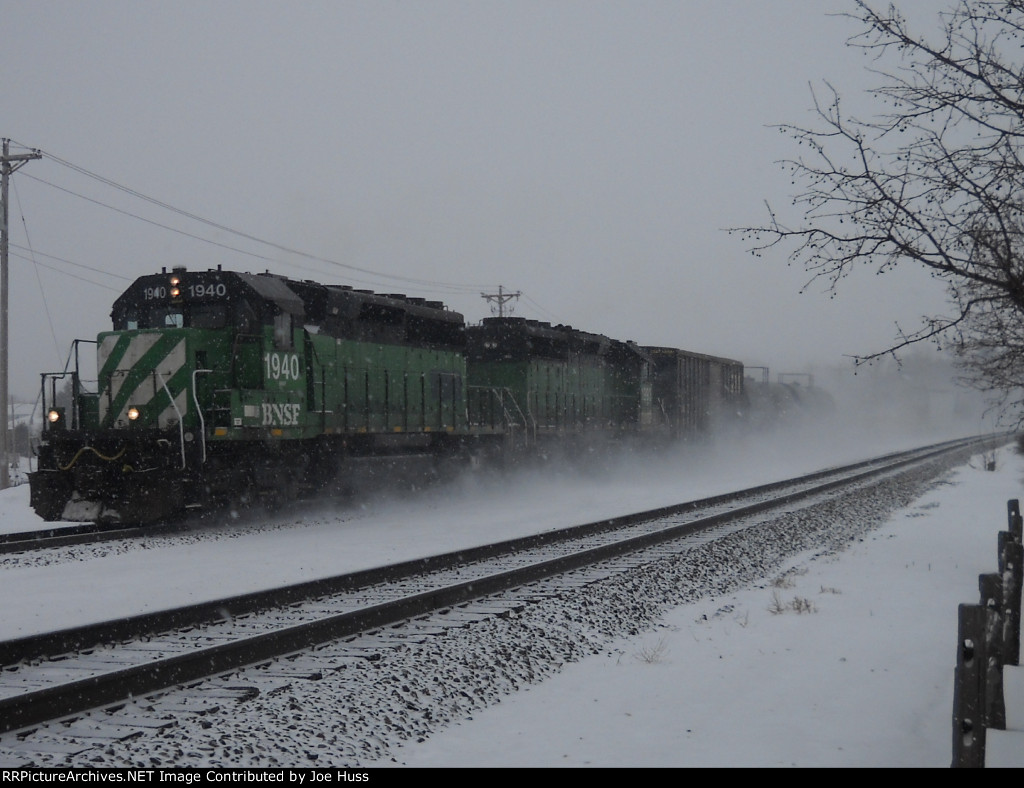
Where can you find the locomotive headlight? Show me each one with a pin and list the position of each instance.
(133, 414)
(55, 417)
(175, 281)
(175, 292)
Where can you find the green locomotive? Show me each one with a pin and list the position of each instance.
(557, 384)
(217, 384)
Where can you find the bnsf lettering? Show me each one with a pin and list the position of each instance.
(280, 414)
(282, 366)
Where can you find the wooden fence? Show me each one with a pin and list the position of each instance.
(989, 638)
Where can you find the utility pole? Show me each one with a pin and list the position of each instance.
(501, 298)
(8, 165)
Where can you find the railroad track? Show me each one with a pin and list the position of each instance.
(86, 534)
(82, 533)
(63, 675)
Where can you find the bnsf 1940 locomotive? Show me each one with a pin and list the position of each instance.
(217, 385)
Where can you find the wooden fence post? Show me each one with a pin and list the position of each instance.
(969, 688)
(1011, 569)
(989, 639)
(993, 707)
(1016, 524)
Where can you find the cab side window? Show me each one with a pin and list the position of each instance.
(246, 320)
(283, 331)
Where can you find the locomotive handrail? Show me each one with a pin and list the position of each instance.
(76, 383)
(50, 400)
(498, 394)
(199, 411)
(314, 358)
(52, 377)
(528, 419)
(181, 423)
(529, 422)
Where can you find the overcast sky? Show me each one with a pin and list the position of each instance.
(588, 154)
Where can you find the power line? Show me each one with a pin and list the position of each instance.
(147, 221)
(35, 268)
(66, 274)
(425, 283)
(551, 318)
(501, 298)
(449, 286)
(70, 262)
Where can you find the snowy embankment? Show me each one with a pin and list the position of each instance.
(844, 660)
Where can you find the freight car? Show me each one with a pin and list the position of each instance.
(783, 403)
(217, 386)
(695, 393)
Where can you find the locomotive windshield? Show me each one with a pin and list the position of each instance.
(178, 316)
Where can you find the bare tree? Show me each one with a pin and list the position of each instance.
(934, 179)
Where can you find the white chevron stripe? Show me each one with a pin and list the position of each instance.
(150, 386)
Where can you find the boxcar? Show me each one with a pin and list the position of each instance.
(694, 392)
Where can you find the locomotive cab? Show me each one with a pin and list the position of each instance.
(190, 354)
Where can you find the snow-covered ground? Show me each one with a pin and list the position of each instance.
(862, 677)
